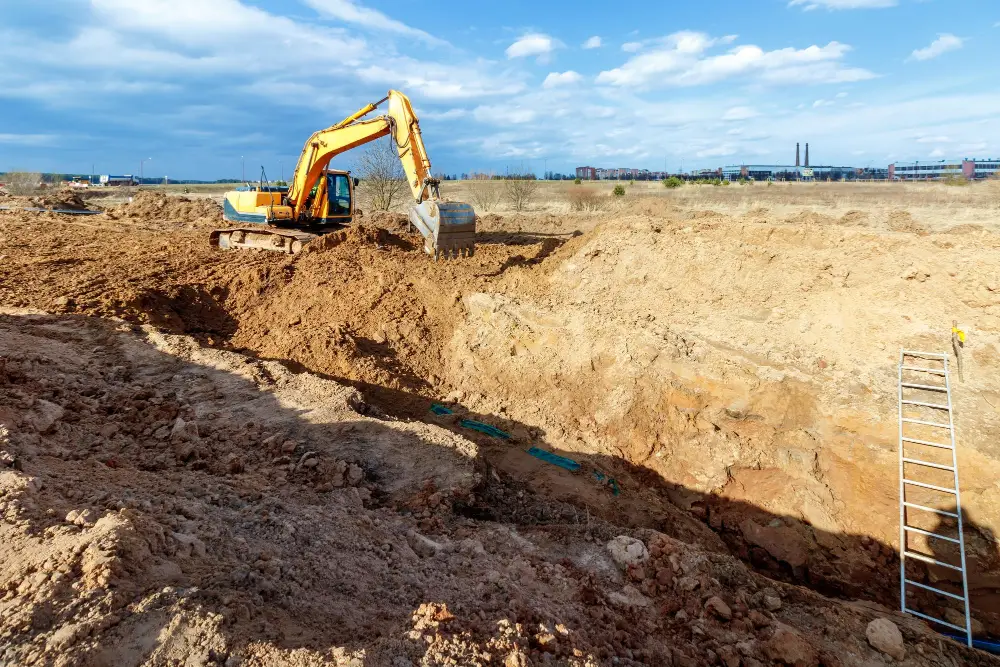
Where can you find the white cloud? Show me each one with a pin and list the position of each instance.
(532, 44)
(681, 60)
(841, 95)
(631, 47)
(351, 12)
(933, 140)
(450, 114)
(593, 43)
(740, 113)
(502, 114)
(843, 4)
(28, 139)
(555, 79)
(821, 103)
(717, 151)
(937, 152)
(943, 44)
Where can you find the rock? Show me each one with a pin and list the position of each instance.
(629, 598)
(183, 431)
(627, 551)
(780, 541)
(758, 619)
(718, 608)
(885, 636)
(44, 415)
(955, 617)
(422, 545)
(772, 602)
(729, 656)
(788, 647)
(310, 463)
(288, 446)
(354, 475)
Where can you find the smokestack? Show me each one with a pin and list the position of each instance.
(796, 154)
(807, 153)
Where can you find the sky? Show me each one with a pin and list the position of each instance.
(208, 89)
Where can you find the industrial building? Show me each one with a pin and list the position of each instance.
(784, 172)
(972, 169)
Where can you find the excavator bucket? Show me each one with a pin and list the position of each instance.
(448, 228)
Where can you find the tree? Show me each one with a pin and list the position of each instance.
(485, 193)
(520, 192)
(382, 180)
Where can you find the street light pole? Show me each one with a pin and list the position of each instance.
(243, 168)
(140, 167)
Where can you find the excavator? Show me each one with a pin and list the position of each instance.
(319, 199)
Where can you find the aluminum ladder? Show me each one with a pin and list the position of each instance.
(921, 374)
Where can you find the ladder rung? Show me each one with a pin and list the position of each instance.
(953, 515)
(930, 534)
(914, 353)
(928, 387)
(926, 405)
(930, 486)
(925, 423)
(928, 559)
(928, 443)
(931, 618)
(935, 590)
(937, 371)
(928, 464)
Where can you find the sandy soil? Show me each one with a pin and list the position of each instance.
(733, 373)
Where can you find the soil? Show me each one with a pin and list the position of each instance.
(231, 457)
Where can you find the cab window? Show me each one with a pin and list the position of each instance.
(339, 189)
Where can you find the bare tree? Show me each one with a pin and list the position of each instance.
(22, 182)
(520, 192)
(382, 180)
(485, 192)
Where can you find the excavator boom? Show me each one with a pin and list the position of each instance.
(447, 227)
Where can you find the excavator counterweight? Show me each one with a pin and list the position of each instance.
(320, 199)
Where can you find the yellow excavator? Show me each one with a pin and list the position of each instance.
(320, 199)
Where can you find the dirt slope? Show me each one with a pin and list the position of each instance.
(169, 504)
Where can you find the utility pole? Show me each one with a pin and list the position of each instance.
(243, 169)
(140, 167)
(546, 162)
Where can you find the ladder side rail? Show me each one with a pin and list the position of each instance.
(902, 496)
(958, 510)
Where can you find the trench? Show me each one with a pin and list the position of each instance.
(705, 458)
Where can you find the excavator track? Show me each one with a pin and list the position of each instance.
(288, 241)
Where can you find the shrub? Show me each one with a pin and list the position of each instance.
(586, 199)
(520, 192)
(956, 180)
(22, 182)
(577, 181)
(485, 194)
(619, 191)
(673, 182)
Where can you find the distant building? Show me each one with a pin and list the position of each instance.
(782, 172)
(586, 173)
(971, 169)
(109, 181)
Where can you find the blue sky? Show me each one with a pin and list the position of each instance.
(196, 84)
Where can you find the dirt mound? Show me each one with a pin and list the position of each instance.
(147, 205)
(394, 222)
(166, 504)
(66, 199)
(902, 221)
(855, 218)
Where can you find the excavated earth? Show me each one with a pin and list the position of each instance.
(231, 458)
